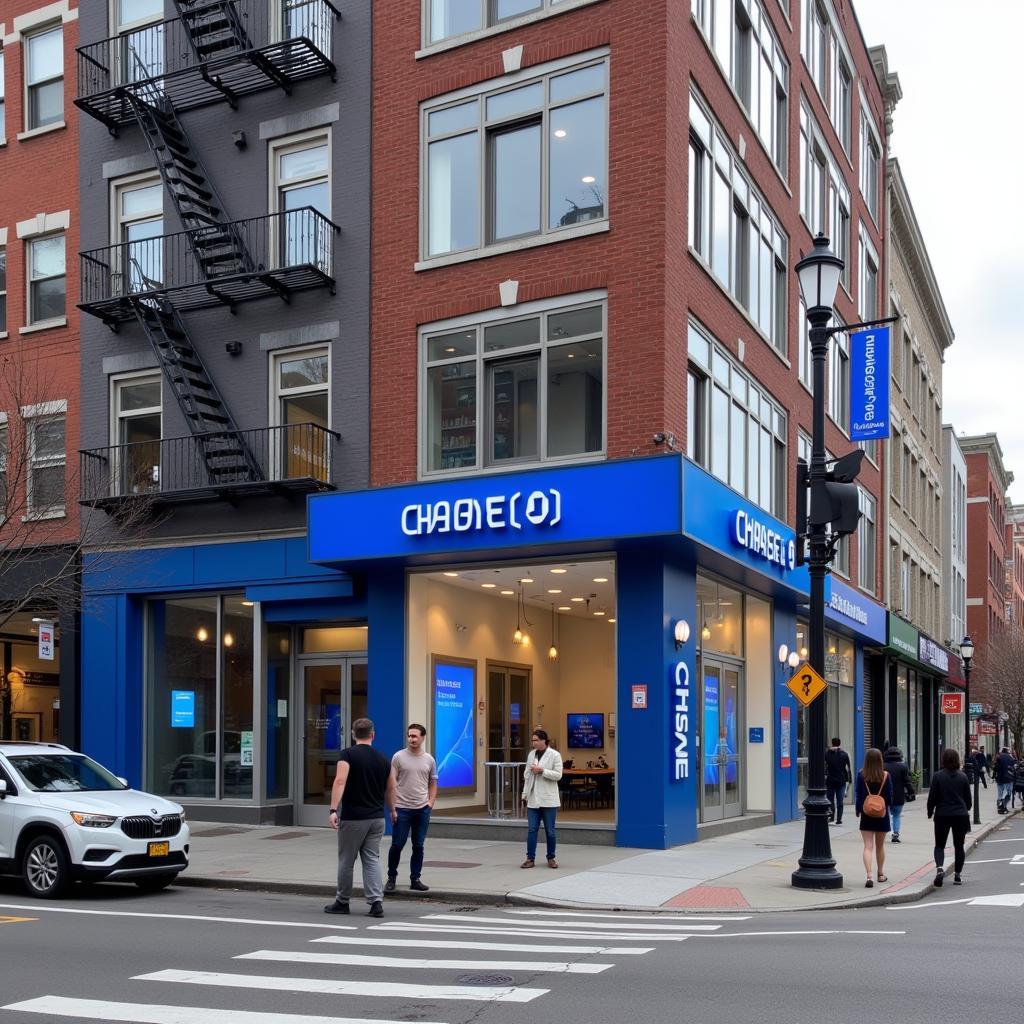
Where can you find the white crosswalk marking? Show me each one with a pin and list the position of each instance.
(531, 926)
(615, 916)
(357, 960)
(453, 929)
(502, 947)
(339, 987)
(156, 1013)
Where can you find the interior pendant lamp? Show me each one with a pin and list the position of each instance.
(518, 637)
(553, 649)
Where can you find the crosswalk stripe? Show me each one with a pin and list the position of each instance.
(531, 926)
(356, 960)
(628, 917)
(503, 947)
(547, 934)
(157, 1013)
(340, 987)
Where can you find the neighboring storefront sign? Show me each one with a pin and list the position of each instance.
(932, 654)
(680, 718)
(183, 709)
(903, 637)
(46, 641)
(639, 698)
(601, 501)
(453, 704)
(987, 728)
(848, 607)
(977, 709)
(869, 384)
(952, 704)
(785, 738)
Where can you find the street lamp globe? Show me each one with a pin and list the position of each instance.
(819, 273)
(967, 649)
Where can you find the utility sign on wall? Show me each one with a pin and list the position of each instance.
(46, 641)
(869, 384)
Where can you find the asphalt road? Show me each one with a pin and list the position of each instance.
(194, 956)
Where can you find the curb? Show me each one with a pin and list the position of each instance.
(911, 894)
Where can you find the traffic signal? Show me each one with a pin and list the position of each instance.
(835, 501)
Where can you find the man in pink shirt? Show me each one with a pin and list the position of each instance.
(415, 775)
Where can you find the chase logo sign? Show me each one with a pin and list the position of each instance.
(762, 540)
(494, 512)
(680, 735)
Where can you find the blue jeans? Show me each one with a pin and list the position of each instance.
(897, 814)
(1005, 792)
(836, 797)
(409, 820)
(535, 815)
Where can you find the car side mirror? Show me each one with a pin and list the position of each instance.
(3, 789)
(123, 781)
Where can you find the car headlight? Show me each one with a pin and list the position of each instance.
(92, 820)
(181, 814)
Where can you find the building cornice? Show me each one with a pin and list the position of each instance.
(989, 446)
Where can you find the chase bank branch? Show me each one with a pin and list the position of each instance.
(639, 610)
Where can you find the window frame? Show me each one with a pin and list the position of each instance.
(3, 96)
(867, 546)
(118, 383)
(485, 130)
(26, 44)
(483, 458)
(118, 28)
(838, 406)
(30, 318)
(55, 511)
(489, 25)
(119, 187)
(277, 393)
(868, 254)
(3, 290)
(297, 143)
(870, 159)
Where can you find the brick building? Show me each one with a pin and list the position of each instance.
(39, 354)
(1014, 544)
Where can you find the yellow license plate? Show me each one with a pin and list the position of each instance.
(159, 849)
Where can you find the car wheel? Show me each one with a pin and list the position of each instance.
(45, 868)
(154, 883)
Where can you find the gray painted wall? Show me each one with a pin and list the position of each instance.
(265, 325)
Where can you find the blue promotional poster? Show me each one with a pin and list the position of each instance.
(585, 732)
(183, 709)
(869, 384)
(454, 688)
(711, 727)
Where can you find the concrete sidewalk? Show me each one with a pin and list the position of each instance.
(746, 871)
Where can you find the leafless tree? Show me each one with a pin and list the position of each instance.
(1001, 678)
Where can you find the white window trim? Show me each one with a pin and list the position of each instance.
(27, 131)
(120, 380)
(868, 117)
(428, 49)
(44, 224)
(545, 236)
(117, 29)
(301, 140)
(867, 248)
(26, 24)
(46, 410)
(491, 316)
(54, 321)
(4, 290)
(118, 187)
(283, 355)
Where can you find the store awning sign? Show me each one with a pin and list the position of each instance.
(952, 704)
(903, 637)
(848, 607)
(869, 384)
(762, 540)
(932, 654)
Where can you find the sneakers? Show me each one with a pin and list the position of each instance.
(389, 885)
(337, 907)
(376, 909)
(552, 863)
(417, 886)
(527, 863)
(896, 837)
(939, 878)
(957, 880)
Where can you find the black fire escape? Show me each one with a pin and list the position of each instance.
(214, 51)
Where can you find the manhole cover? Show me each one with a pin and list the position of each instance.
(485, 979)
(463, 910)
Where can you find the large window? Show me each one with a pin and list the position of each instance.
(44, 78)
(47, 281)
(137, 417)
(814, 42)
(200, 697)
(302, 408)
(3, 107)
(839, 380)
(868, 297)
(138, 215)
(840, 104)
(733, 230)
(741, 36)
(529, 389)
(140, 52)
(301, 172)
(46, 460)
(870, 159)
(516, 162)
(866, 542)
(448, 18)
(745, 430)
(824, 196)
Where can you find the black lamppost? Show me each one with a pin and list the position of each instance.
(967, 653)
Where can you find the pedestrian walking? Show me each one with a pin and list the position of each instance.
(838, 774)
(874, 798)
(1005, 770)
(949, 802)
(1018, 782)
(363, 785)
(415, 775)
(540, 794)
(981, 766)
(902, 787)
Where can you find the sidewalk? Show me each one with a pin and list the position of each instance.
(746, 871)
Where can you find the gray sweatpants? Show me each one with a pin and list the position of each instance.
(360, 839)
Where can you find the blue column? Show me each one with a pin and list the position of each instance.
(657, 771)
(386, 611)
(784, 632)
(858, 704)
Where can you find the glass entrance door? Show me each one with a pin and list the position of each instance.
(333, 695)
(721, 732)
(508, 713)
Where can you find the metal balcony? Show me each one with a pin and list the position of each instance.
(227, 263)
(215, 53)
(216, 466)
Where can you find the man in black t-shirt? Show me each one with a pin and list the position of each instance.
(363, 786)
(837, 774)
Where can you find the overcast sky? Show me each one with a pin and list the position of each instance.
(958, 138)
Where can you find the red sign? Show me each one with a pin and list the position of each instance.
(952, 703)
(988, 729)
(639, 698)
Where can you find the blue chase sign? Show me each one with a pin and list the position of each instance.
(573, 504)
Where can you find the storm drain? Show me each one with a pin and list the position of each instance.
(485, 979)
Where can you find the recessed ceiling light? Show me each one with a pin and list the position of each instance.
(560, 133)
(247, 604)
(488, 586)
(558, 572)
(600, 579)
(611, 620)
(578, 600)
(554, 591)
(508, 593)
(451, 574)
(449, 350)
(599, 613)
(526, 579)
(588, 179)
(564, 608)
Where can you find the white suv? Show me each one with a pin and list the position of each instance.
(63, 818)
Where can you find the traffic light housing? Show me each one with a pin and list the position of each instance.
(833, 501)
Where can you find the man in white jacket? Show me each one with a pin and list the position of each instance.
(540, 794)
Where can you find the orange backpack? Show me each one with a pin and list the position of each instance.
(874, 803)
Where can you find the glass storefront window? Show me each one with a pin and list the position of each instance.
(236, 759)
(902, 737)
(720, 612)
(279, 710)
(840, 673)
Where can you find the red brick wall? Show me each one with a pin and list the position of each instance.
(40, 175)
(983, 535)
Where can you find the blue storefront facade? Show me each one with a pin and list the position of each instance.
(227, 674)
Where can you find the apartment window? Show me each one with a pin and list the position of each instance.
(448, 18)
(140, 50)
(46, 458)
(839, 380)
(47, 283)
(813, 174)
(138, 229)
(868, 292)
(301, 175)
(815, 38)
(4, 449)
(44, 78)
(866, 542)
(3, 290)
(515, 163)
(508, 391)
(804, 362)
(742, 37)
(742, 244)
(840, 94)
(137, 428)
(839, 220)
(302, 413)
(3, 107)
(870, 160)
(745, 429)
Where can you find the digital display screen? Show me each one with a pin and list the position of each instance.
(455, 725)
(585, 731)
(183, 709)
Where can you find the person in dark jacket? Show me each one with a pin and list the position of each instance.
(838, 774)
(981, 766)
(1004, 772)
(873, 779)
(949, 802)
(902, 787)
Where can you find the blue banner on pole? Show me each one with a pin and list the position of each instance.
(869, 384)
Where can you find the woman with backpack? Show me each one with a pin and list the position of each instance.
(874, 798)
(949, 800)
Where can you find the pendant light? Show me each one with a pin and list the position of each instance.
(553, 649)
(518, 636)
